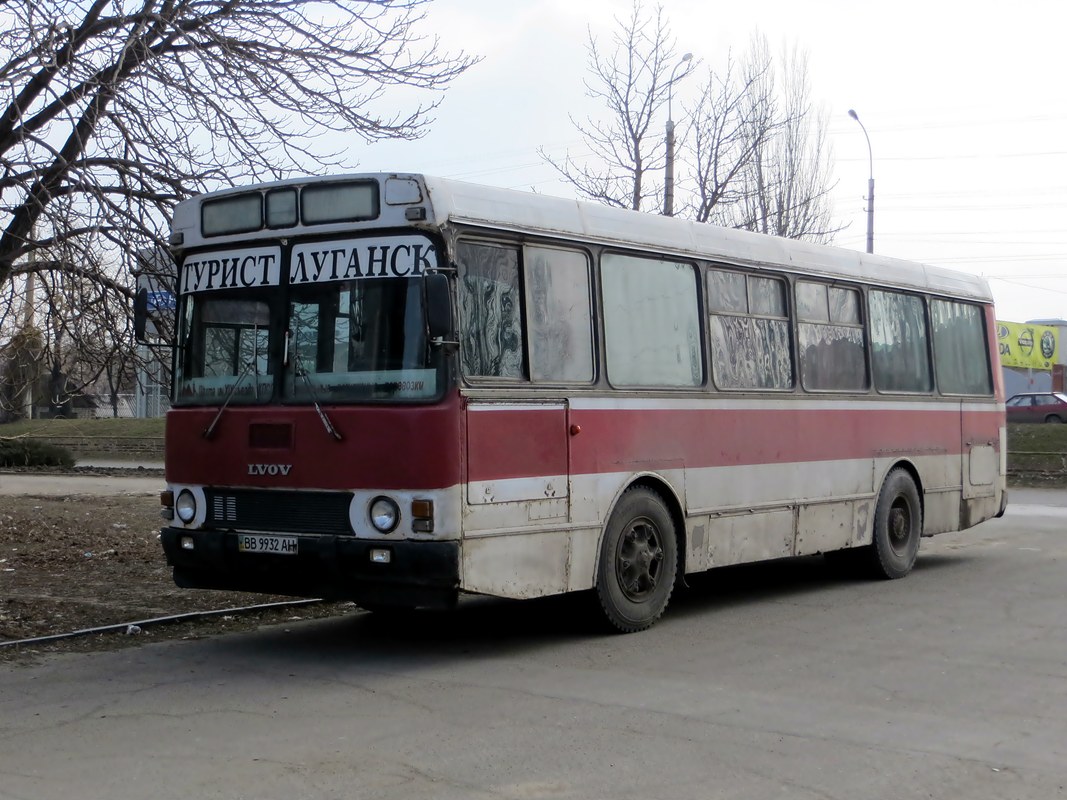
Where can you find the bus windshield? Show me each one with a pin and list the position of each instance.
(344, 341)
(358, 340)
(224, 350)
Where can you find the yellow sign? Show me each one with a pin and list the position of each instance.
(1028, 346)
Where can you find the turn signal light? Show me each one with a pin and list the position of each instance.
(166, 500)
(422, 516)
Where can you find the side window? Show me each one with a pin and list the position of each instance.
(830, 334)
(899, 343)
(559, 325)
(651, 322)
(750, 344)
(961, 355)
(490, 311)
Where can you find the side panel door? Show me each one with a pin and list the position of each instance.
(517, 472)
(981, 459)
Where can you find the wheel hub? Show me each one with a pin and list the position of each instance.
(639, 560)
(899, 525)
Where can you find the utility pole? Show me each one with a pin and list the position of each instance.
(668, 170)
(870, 183)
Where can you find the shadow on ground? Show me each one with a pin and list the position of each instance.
(491, 627)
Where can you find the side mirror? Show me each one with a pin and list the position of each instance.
(140, 314)
(438, 305)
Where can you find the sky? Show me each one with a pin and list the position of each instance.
(964, 103)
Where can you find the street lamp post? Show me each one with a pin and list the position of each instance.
(870, 183)
(668, 177)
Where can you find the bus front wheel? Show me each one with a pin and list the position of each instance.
(638, 561)
(897, 526)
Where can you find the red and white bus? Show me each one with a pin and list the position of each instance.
(396, 389)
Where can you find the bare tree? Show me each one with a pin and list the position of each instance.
(732, 119)
(120, 108)
(21, 349)
(754, 150)
(782, 183)
(74, 335)
(88, 338)
(20, 369)
(632, 81)
(113, 110)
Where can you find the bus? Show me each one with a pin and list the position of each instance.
(397, 389)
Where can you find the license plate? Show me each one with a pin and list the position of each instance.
(257, 543)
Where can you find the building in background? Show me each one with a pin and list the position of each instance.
(1031, 356)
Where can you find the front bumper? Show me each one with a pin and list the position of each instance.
(333, 567)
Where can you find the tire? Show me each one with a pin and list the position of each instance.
(1053, 419)
(898, 526)
(638, 561)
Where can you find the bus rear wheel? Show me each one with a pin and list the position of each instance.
(898, 526)
(638, 561)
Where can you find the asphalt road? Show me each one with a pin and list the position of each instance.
(777, 681)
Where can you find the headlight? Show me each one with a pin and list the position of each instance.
(185, 506)
(384, 514)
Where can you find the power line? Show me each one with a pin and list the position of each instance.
(1031, 286)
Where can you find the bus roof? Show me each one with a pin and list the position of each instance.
(473, 204)
(453, 202)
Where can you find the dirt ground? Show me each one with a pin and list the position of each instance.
(78, 562)
(71, 563)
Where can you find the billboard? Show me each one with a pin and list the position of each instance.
(1028, 346)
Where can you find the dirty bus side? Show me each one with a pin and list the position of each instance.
(397, 389)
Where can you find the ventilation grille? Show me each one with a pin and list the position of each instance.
(224, 508)
(293, 512)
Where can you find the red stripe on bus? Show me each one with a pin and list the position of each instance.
(623, 439)
(422, 447)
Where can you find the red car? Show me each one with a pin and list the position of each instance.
(1037, 407)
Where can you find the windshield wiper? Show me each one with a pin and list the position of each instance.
(303, 373)
(210, 429)
(251, 366)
